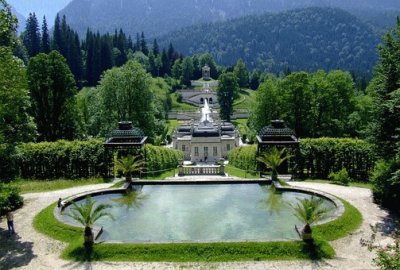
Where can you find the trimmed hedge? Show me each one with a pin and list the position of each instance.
(317, 158)
(74, 159)
(160, 158)
(61, 159)
(244, 157)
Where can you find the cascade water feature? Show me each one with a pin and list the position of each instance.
(206, 112)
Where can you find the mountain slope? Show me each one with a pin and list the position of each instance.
(304, 39)
(156, 17)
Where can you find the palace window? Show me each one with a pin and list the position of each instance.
(228, 147)
(183, 148)
(196, 151)
(205, 150)
(215, 151)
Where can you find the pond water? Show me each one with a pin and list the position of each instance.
(224, 212)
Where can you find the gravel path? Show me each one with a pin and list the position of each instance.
(31, 250)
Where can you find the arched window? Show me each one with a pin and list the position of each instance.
(202, 100)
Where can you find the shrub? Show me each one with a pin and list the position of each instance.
(9, 198)
(341, 177)
(386, 183)
(244, 157)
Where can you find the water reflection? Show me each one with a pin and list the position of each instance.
(132, 199)
(273, 201)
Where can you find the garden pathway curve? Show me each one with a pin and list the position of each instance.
(31, 250)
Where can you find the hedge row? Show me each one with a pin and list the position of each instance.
(72, 159)
(161, 158)
(244, 157)
(317, 158)
(61, 159)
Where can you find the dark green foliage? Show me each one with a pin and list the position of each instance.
(385, 91)
(187, 70)
(161, 158)
(61, 159)
(228, 90)
(317, 158)
(315, 105)
(242, 74)
(31, 36)
(8, 168)
(303, 39)
(66, 42)
(45, 42)
(9, 198)
(53, 91)
(386, 183)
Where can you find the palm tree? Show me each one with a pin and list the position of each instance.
(310, 211)
(87, 214)
(273, 159)
(129, 165)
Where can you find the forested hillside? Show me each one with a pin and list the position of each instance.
(305, 39)
(157, 17)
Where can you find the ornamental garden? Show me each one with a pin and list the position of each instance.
(193, 161)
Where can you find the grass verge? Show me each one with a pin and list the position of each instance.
(351, 184)
(233, 171)
(46, 223)
(28, 185)
(342, 226)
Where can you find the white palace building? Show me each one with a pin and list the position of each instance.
(206, 141)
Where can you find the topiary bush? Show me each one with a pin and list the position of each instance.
(341, 177)
(9, 198)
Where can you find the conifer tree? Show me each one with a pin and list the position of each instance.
(143, 44)
(156, 48)
(45, 42)
(385, 87)
(32, 35)
(57, 38)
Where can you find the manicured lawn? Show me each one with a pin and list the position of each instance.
(241, 125)
(161, 175)
(181, 106)
(347, 223)
(172, 124)
(233, 171)
(351, 184)
(246, 101)
(28, 185)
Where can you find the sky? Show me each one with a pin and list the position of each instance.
(40, 7)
